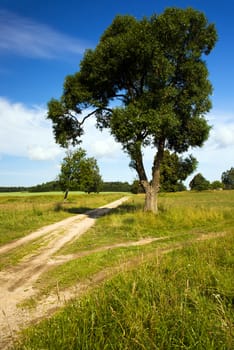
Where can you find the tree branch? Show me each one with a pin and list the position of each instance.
(74, 117)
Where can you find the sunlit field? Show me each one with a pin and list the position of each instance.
(176, 292)
(22, 213)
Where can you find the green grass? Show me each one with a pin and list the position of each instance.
(178, 224)
(180, 213)
(79, 270)
(180, 300)
(183, 300)
(15, 255)
(23, 213)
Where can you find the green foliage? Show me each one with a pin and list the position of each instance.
(216, 185)
(46, 187)
(228, 179)
(13, 189)
(199, 183)
(136, 187)
(154, 70)
(174, 170)
(79, 172)
(115, 186)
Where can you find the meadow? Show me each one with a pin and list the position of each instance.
(22, 213)
(176, 292)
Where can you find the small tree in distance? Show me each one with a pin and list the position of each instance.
(199, 183)
(174, 170)
(228, 179)
(79, 173)
(147, 82)
(216, 185)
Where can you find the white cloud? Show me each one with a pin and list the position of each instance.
(100, 145)
(42, 153)
(106, 148)
(223, 136)
(26, 37)
(222, 133)
(217, 154)
(25, 132)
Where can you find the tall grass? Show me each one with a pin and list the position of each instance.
(183, 300)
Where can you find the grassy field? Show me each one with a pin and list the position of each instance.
(183, 301)
(22, 213)
(175, 293)
(176, 224)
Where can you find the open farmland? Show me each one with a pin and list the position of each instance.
(172, 274)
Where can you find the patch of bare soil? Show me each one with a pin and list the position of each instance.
(16, 283)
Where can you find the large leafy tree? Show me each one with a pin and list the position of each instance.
(79, 173)
(147, 82)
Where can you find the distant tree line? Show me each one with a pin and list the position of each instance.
(113, 186)
(50, 186)
(116, 186)
(13, 189)
(53, 186)
(44, 187)
(198, 183)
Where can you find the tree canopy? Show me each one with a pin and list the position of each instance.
(174, 170)
(147, 82)
(199, 183)
(228, 179)
(79, 173)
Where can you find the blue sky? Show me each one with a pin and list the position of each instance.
(43, 41)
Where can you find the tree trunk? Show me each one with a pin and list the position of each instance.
(151, 199)
(152, 189)
(65, 195)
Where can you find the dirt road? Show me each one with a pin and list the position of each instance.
(16, 283)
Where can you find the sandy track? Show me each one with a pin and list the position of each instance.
(16, 283)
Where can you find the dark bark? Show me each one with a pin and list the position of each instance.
(65, 195)
(152, 189)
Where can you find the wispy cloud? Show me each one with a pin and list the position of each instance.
(25, 37)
